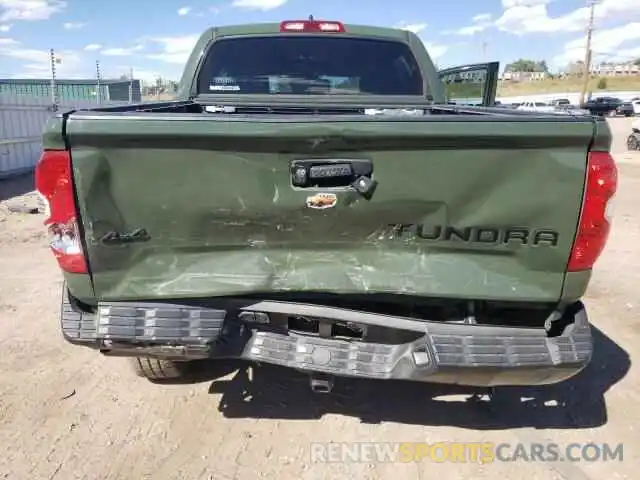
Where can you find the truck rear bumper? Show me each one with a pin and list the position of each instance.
(452, 353)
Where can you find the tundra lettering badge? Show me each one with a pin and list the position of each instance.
(475, 234)
(322, 201)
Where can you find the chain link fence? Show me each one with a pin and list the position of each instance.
(159, 89)
(26, 105)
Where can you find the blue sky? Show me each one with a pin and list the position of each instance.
(155, 37)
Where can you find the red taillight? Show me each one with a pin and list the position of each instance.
(53, 183)
(595, 221)
(314, 26)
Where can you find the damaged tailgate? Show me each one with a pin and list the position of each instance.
(198, 206)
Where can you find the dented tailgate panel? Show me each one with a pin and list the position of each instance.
(175, 207)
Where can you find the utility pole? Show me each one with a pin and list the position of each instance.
(588, 54)
(484, 51)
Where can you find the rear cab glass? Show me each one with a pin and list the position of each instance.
(310, 65)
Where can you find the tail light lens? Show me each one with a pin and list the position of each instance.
(54, 184)
(595, 218)
(312, 26)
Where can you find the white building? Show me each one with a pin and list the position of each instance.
(615, 70)
(523, 76)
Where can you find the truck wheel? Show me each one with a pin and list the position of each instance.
(158, 370)
(633, 143)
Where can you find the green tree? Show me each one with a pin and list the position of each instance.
(524, 65)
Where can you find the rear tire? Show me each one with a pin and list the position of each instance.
(158, 370)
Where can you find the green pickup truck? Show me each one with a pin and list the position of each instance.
(319, 197)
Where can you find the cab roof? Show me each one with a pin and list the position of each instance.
(274, 28)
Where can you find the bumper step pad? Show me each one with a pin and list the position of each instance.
(78, 327)
(139, 324)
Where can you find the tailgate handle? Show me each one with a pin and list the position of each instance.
(352, 174)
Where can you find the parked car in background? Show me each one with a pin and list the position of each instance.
(530, 106)
(561, 102)
(602, 105)
(626, 109)
(571, 110)
(636, 106)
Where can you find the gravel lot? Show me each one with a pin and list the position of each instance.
(67, 412)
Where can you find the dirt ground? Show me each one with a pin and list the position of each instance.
(69, 413)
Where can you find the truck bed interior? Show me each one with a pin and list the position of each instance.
(225, 105)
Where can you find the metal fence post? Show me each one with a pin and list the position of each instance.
(98, 87)
(54, 93)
